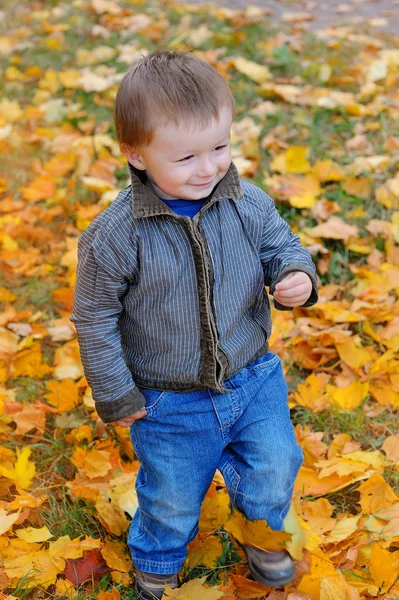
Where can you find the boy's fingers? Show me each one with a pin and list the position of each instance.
(298, 290)
(293, 280)
(139, 414)
(296, 301)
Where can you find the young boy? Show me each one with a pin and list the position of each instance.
(173, 318)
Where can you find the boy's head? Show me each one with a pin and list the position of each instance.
(173, 114)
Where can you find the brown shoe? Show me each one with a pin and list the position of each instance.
(150, 586)
(270, 567)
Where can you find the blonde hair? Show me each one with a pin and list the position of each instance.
(167, 86)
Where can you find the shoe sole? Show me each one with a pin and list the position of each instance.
(276, 583)
(144, 594)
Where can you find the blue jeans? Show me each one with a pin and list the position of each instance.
(185, 437)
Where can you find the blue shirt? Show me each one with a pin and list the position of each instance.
(184, 208)
(166, 302)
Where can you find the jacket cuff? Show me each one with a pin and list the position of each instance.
(313, 298)
(114, 410)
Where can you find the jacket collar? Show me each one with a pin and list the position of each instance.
(147, 204)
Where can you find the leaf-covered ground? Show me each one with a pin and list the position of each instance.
(317, 127)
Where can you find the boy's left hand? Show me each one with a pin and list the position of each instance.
(294, 289)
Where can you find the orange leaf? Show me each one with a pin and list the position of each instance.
(63, 394)
(391, 447)
(376, 494)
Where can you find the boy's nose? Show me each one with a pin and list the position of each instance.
(207, 168)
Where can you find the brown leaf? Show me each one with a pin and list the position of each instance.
(91, 565)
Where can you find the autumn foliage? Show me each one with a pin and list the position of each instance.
(317, 127)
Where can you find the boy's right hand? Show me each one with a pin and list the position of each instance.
(127, 421)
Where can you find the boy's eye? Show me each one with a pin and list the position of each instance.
(191, 156)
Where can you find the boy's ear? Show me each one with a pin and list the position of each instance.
(133, 156)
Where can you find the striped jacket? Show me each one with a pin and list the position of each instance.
(168, 302)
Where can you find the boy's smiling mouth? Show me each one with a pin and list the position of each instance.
(202, 184)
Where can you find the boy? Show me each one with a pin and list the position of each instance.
(173, 319)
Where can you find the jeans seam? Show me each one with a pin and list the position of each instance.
(145, 530)
(233, 491)
(144, 562)
(266, 366)
(153, 407)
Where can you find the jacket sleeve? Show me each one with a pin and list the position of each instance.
(98, 303)
(282, 253)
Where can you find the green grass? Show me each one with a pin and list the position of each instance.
(81, 519)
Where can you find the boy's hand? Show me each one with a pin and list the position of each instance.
(294, 289)
(127, 421)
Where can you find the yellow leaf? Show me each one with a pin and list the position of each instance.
(349, 397)
(384, 567)
(352, 354)
(111, 516)
(383, 392)
(32, 534)
(8, 243)
(10, 110)
(296, 159)
(376, 494)
(327, 170)
(258, 73)
(97, 184)
(40, 188)
(305, 201)
(24, 471)
(7, 520)
(311, 393)
(115, 556)
(45, 571)
(293, 526)
(6, 295)
(255, 533)
(334, 229)
(123, 493)
(20, 565)
(66, 588)
(395, 226)
(360, 187)
(214, 511)
(70, 78)
(336, 588)
(342, 530)
(28, 362)
(193, 590)
(391, 447)
(205, 551)
(320, 568)
(63, 395)
(308, 482)
(279, 163)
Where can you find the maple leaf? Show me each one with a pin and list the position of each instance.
(205, 551)
(193, 590)
(255, 533)
(23, 471)
(91, 565)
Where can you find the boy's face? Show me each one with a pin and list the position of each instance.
(186, 162)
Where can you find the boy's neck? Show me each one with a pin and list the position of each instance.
(157, 191)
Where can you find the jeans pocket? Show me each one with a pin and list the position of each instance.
(153, 400)
(267, 362)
